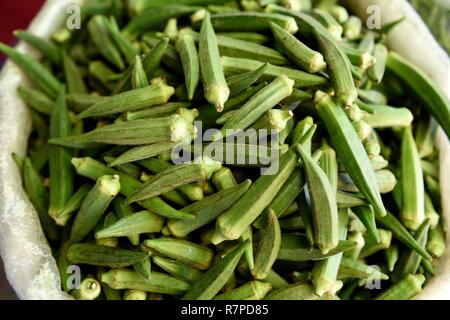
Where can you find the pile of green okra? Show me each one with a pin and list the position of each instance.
(352, 212)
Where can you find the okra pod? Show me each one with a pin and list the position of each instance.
(139, 78)
(405, 289)
(376, 72)
(241, 82)
(178, 269)
(36, 100)
(73, 76)
(45, 47)
(253, 290)
(72, 205)
(350, 268)
(436, 241)
(185, 46)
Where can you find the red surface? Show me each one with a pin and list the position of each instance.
(16, 14)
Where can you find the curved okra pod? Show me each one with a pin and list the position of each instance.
(39, 75)
(38, 196)
(133, 225)
(94, 206)
(233, 66)
(216, 88)
(101, 37)
(93, 169)
(339, 70)
(253, 290)
(251, 111)
(178, 269)
(192, 254)
(350, 149)
(175, 177)
(215, 278)
(324, 206)
(268, 248)
(138, 132)
(92, 254)
(61, 173)
(405, 289)
(241, 82)
(412, 213)
(185, 46)
(434, 100)
(157, 283)
(155, 94)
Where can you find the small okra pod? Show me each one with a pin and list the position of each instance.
(157, 283)
(134, 295)
(155, 94)
(410, 260)
(350, 149)
(355, 269)
(371, 246)
(154, 18)
(253, 290)
(72, 205)
(216, 277)
(306, 58)
(224, 179)
(430, 212)
(89, 289)
(138, 132)
(391, 256)
(139, 77)
(38, 196)
(216, 88)
(352, 28)
(324, 207)
(175, 177)
(192, 254)
(101, 37)
(185, 46)
(103, 256)
(325, 272)
(359, 58)
(241, 82)
(170, 57)
(178, 269)
(425, 136)
(144, 267)
(252, 22)
(48, 49)
(296, 291)
(73, 76)
(376, 72)
(339, 70)
(248, 254)
(123, 44)
(61, 173)
(94, 206)
(123, 211)
(207, 209)
(436, 241)
(39, 75)
(251, 111)
(163, 110)
(405, 289)
(268, 248)
(295, 247)
(329, 22)
(143, 152)
(132, 225)
(233, 66)
(390, 222)
(35, 99)
(367, 217)
(413, 210)
(386, 117)
(434, 100)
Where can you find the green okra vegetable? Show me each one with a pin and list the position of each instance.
(254, 290)
(157, 283)
(386, 117)
(72, 205)
(94, 206)
(329, 22)
(367, 217)
(139, 77)
(233, 66)
(96, 255)
(436, 241)
(192, 254)
(376, 72)
(47, 48)
(201, 170)
(241, 82)
(185, 46)
(74, 78)
(372, 246)
(412, 214)
(133, 225)
(349, 147)
(350, 268)
(169, 57)
(391, 256)
(216, 88)
(215, 278)
(40, 76)
(89, 289)
(178, 269)
(36, 100)
(405, 289)
(123, 44)
(296, 291)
